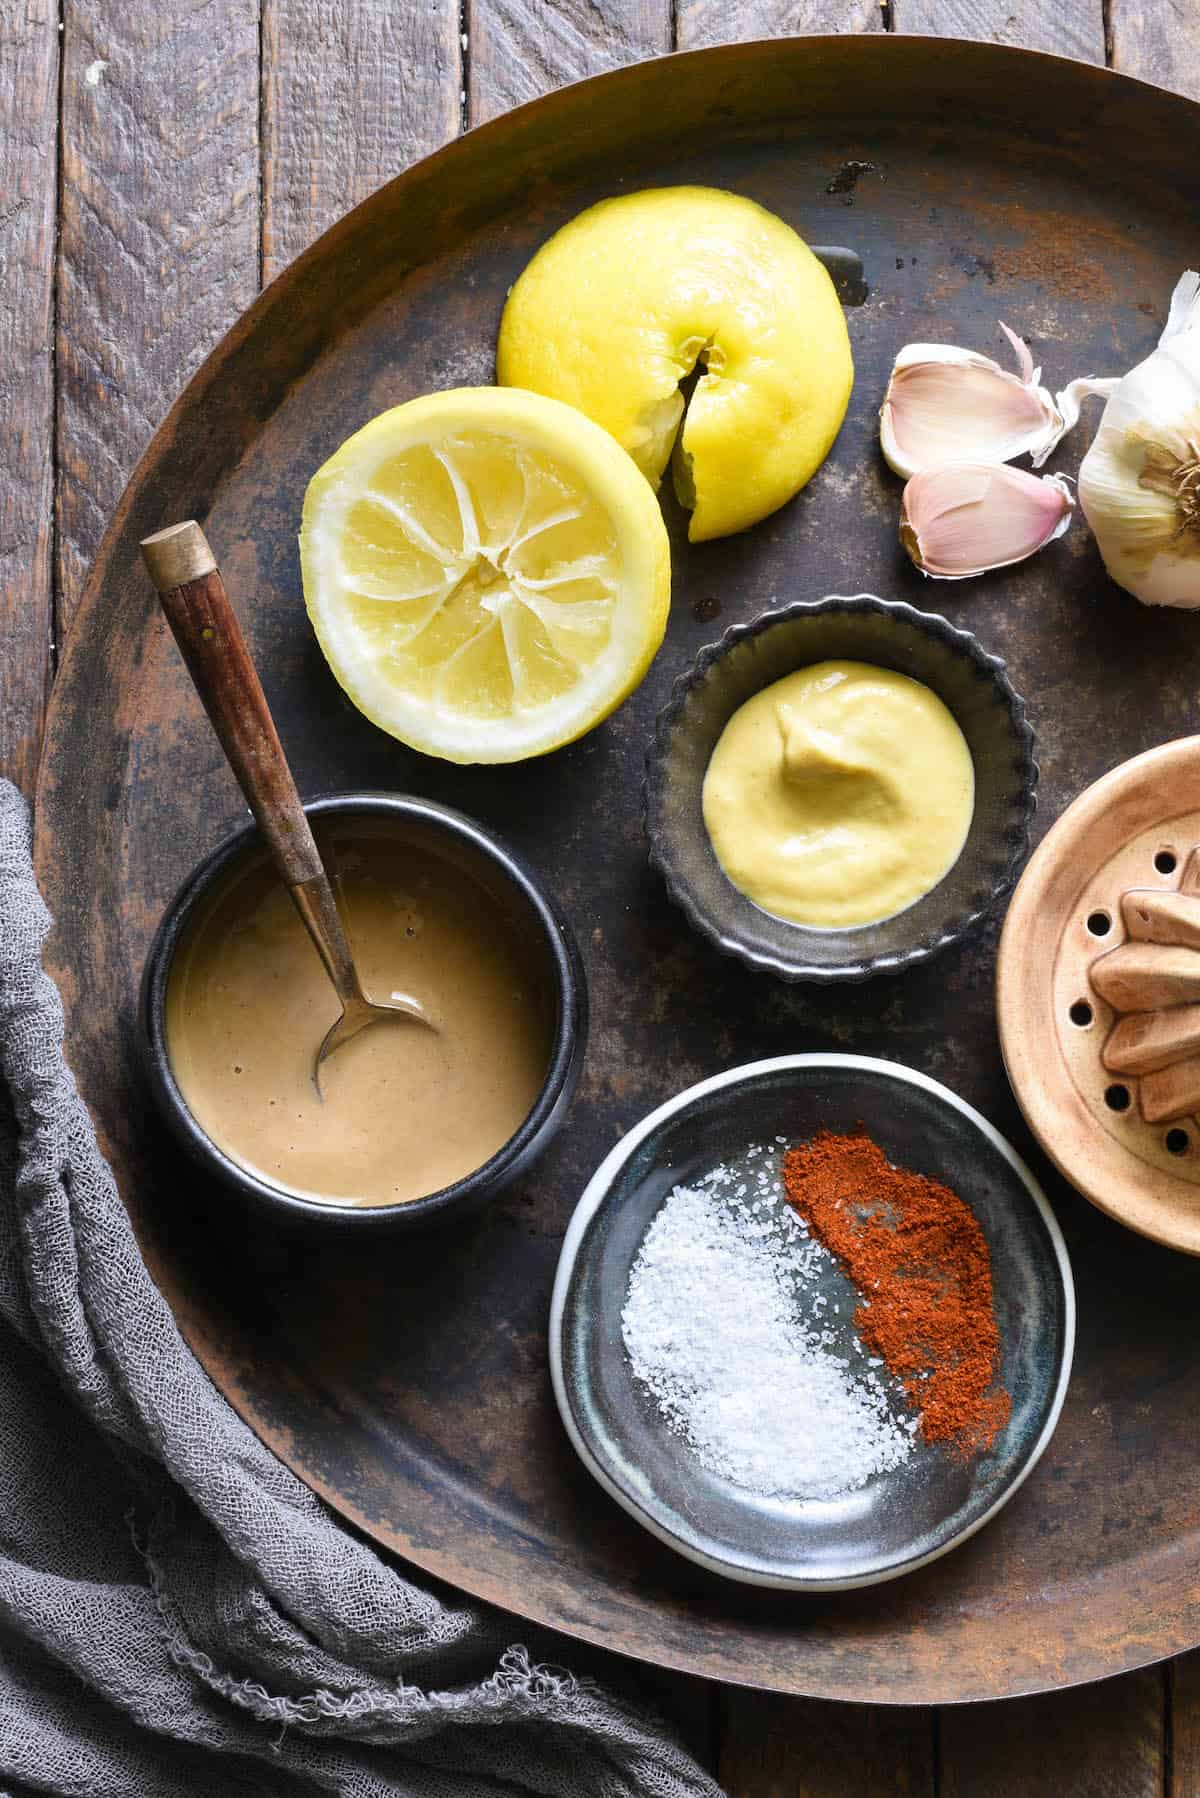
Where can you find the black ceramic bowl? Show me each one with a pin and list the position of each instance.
(899, 1520)
(976, 689)
(555, 956)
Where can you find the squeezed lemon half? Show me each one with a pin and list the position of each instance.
(634, 295)
(486, 571)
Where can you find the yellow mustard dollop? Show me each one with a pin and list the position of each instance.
(839, 795)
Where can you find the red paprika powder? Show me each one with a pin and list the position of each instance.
(920, 1262)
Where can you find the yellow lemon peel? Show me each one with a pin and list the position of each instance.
(641, 292)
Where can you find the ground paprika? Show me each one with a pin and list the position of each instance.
(920, 1262)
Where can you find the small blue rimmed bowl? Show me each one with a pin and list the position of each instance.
(554, 960)
(889, 634)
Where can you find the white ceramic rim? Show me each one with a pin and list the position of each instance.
(590, 1202)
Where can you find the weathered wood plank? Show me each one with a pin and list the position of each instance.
(159, 240)
(28, 194)
(774, 1747)
(701, 22)
(1069, 27)
(353, 91)
(516, 51)
(1159, 40)
(1101, 1741)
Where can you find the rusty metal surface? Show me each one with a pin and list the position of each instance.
(409, 1385)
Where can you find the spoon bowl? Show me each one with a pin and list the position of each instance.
(315, 902)
(357, 1013)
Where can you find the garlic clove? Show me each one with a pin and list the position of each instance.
(968, 518)
(946, 404)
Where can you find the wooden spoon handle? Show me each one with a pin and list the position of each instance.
(184, 570)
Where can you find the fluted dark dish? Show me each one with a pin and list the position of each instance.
(890, 634)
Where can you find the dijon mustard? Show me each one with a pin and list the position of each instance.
(839, 795)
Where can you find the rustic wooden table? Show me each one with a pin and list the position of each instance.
(157, 165)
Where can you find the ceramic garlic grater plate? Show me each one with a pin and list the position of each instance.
(1098, 994)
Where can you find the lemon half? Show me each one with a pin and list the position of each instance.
(487, 573)
(627, 300)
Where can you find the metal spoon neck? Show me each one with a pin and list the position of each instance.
(314, 900)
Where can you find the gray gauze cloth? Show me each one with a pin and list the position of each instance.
(180, 1616)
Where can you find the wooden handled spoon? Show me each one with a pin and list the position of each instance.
(184, 571)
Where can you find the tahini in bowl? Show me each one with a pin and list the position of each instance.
(553, 958)
(889, 634)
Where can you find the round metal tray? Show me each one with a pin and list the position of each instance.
(410, 1387)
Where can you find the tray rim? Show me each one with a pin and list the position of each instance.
(593, 1197)
(462, 145)
(1099, 80)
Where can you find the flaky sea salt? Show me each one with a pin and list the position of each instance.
(719, 1326)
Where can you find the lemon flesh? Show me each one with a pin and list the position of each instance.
(487, 573)
(623, 303)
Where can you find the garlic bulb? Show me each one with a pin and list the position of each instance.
(971, 517)
(945, 404)
(1139, 485)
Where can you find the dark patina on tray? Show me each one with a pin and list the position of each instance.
(409, 1385)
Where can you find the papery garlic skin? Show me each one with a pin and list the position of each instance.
(972, 517)
(946, 404)
(1139, 485)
